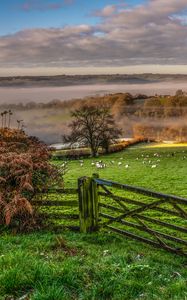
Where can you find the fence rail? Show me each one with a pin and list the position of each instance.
(55, 209)
(140, 190)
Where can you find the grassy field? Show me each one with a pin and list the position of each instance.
(67, 265)
(168, 176)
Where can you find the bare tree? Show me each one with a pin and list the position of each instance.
(9, 117)
(2, 119)
(93, 126)
(19, 123)
(5, 119)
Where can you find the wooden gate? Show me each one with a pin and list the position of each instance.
(146, 216)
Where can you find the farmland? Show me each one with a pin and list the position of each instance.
(68, 265)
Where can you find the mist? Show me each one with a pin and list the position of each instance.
(46, 94)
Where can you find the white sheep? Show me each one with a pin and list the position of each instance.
(153, 166)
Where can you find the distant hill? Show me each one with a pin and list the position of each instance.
(68, 80)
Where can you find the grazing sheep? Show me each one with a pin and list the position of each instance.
(100, 165)
(153, 166)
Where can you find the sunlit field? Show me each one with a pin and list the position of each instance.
(167, 145)
(161, 169)
(69, 265)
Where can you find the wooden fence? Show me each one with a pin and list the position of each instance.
(154, 218)
(158, 219)
(58, 207)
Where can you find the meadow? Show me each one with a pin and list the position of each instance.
(169, 175)
(69, 265)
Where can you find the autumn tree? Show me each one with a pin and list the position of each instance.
(94, 127)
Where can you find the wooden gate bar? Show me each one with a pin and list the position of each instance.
(150, 230)
(139, 203)
(152, 220)
(142, 191)
(147, 241)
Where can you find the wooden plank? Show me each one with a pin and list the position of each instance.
(181, 211)
(162, 223)
(54, 203)
(137, 210)
(152, 220)
(142, 191)
(58, 191)
(106, 190)
(59, 216)
(57, 228)
(142, 228)
(88, 204)
(147, 241)
(139, 203)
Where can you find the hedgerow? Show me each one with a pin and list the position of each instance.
(24, 170)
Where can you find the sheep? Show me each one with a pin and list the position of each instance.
(153, 166)
(100, 165)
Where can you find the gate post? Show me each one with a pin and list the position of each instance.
(88, 204)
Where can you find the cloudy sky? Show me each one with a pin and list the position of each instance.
(92, 36)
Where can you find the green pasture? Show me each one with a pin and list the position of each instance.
(68, 265)
(169, 175)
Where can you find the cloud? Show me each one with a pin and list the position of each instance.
(40, 5)
(146, 34)
(106, 11)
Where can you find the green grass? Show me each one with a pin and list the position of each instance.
(97, 266)
(169, 176)
(67, 265)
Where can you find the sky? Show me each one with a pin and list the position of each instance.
(48, 37)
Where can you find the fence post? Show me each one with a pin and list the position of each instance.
(88, 204)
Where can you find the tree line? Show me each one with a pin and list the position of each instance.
(158, 116)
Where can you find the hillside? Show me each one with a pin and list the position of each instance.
(68, 80)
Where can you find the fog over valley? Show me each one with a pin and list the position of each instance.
(141, 108)
(46, 94)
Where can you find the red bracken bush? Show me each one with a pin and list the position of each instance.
(24, 169)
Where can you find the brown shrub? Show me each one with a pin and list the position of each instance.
(24, 169)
